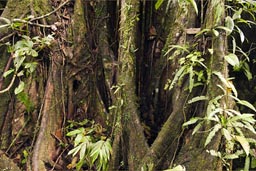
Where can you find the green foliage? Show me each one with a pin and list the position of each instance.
(23, 97)
(188, 66)
(23, 52)
(177, 168)
(158, 4)
(230, 123)
(90, 144)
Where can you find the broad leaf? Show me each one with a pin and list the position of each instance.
(74, 132)
(232, 59)
(231, 156)
(176, 77)
(191, 121)
(247, 104)
(226, 134)
(244, 143)
(193, 2)
(215, 129)
(8, 73)
(177, 168)
(229, 23)
(198, 126)
(20, 88)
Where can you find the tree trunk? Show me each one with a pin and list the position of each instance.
(112, 62)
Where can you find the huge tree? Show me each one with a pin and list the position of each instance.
(153, 76)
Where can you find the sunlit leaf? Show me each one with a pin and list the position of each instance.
(191, 79)
(20, 88)
(198, 126)
(74, 132)
(78, 139)
(34, 53)
(158, 4)
(229, 23)
(241, 33)
(214, 153)
(247, 104)
(215, 129)
(197, 98)
(246, 70)
(8, 73)
(83, 150)
(247, 163)
(177, 168)
(215, 32)
(75, 150)
(244, 143)
(18, 62)
(237, 14)
(176, 77)
(193, 2)
(231, 156)
(232, 59)
(191, 121)
(226, 134)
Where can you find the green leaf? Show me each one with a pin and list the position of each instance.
(177, 168)
(231, 156)
(232, 59)
(197, 98)
(75, 150)
(247, 164)
(215, 129)
(21, 73)
(237, 14)
(226, 134)
(193, 2)
(20, 88)
(246, 70)
(74, 132)
(247, 104)
(18, 61)
(214, 112)
(191, 79)
(244, 143)
(198, 126)
(34, 53)
(158, 4)
(191, 121)
(78, 139)
(234, 45)
(215, 32)
(226, 82)
(229, 23)
(83, 150)
(214, 153)
(241, 33)
(31, 66)
(225, 29)
(8, 73)
(253, 163)
(24, 98)
(176, 77)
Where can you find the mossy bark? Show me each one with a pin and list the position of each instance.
(133, 140)
(193, 152)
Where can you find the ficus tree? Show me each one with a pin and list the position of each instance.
(127, 85)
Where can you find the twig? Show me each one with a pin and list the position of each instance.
(10, 85)
(5, 69)
(50, 13)
(8, 36)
